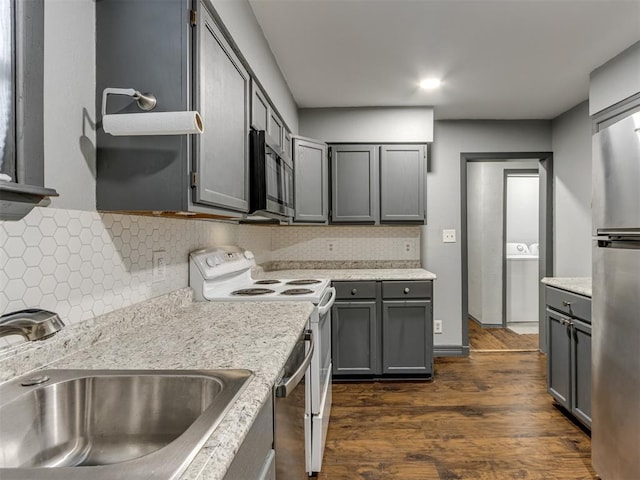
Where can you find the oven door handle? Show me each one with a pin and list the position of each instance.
(287, 385)
(322, 310)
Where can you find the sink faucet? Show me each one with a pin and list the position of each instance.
(32, 324)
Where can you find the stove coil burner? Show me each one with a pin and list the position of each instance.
(297, 291)
(306, 281)
(248, 292)
(267, 282)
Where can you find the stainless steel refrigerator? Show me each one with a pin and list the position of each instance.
(615, 435)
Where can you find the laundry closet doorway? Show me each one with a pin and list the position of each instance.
(506, 248)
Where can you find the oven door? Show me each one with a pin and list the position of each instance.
(321, 361)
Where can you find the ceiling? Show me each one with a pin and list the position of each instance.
(498, 59)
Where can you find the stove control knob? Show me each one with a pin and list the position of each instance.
(212, 261)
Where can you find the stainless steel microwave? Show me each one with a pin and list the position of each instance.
(271, 173)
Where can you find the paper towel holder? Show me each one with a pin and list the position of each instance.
(145, 101)
(158, 123)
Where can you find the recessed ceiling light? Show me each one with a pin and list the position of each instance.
(430, 83)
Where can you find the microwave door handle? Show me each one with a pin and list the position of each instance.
(322, 310)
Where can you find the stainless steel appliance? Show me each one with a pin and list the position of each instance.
(271, 172)
(290, 408)
(224, 274)
(615, 432)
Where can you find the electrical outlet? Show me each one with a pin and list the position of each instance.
(331, 245)
(159, 259)
(409, 246)
(449, 236)
(437, 326)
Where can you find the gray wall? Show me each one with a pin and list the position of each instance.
(571, 143)
(617, 79)
(368, 125)
(443, 196)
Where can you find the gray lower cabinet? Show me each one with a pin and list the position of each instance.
(378, 183)
(355, 339)
(569, 353)
(311, 181)
(256, 458)
(382, 329)
(407, 337)
(184, 57)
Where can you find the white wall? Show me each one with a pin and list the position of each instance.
(368, 125)
(239, 19)
(443, 196)
(523, 208)
(571, 143)
(69, 102)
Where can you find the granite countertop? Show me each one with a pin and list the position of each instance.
(352, 274)
(579, 285)
(207, 335)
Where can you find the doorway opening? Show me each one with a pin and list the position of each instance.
(506, 241)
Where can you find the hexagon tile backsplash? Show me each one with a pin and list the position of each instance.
(83, 264)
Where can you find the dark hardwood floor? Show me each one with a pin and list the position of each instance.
(492, 339)
(487, 416)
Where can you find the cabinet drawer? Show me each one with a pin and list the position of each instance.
(569, 303)
(351, 290)
(407, 289)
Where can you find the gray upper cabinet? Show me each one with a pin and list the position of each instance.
(276, 129)
(378, 183)
(223, 100)
(186, 59)
(259, 108)
(265, 117)
(402, 185)
(354, 194)
(311, 177)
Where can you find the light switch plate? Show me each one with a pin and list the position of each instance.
(449, 236)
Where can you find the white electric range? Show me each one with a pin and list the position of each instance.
(223, 274)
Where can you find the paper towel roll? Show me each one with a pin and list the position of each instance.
(156, 123)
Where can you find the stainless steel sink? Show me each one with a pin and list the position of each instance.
(111, 423)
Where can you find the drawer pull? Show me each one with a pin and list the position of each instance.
(407, 290)
(354, 291)
(566, 304)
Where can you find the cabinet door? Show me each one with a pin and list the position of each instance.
(354, 184)
(581, 372)
(559, 358)
(402, 183)
(275, 129)
(354, 338)
(287, 144)
(311, 173)
(259, 108)
(222, 98)
(407, 337)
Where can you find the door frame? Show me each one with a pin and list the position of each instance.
(506, 173)
(545, 228)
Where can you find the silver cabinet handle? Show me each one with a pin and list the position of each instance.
(566, 304)
(407, 290)
(354, 291)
